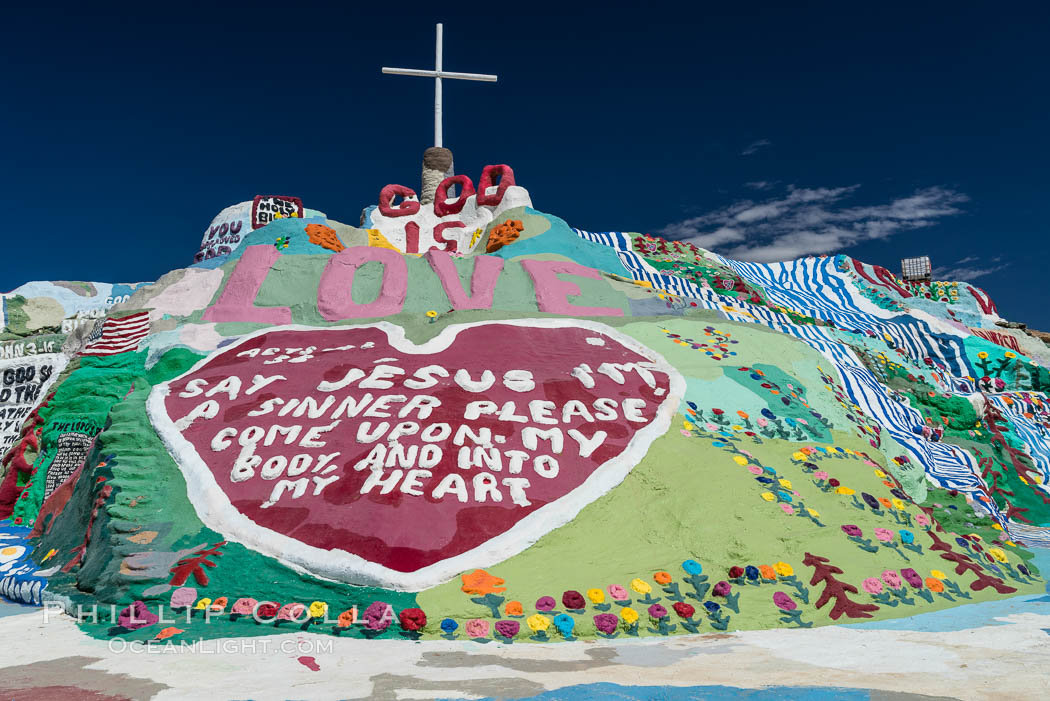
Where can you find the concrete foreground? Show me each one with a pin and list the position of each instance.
(995, 651)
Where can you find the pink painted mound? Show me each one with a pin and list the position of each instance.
(407, 456)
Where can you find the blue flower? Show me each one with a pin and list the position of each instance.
(768, 414)
(564, 623)
(784, 495)
(907, 537)
(712, 606)
(692, 567)
(448, 625)
(962, 542)
(764, 480)
(790, 422)
(691, 405)
(751, 572)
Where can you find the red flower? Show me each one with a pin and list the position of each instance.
(413, 619)
(717, 412)
(736, 571)
(834, 482)
(683, 609)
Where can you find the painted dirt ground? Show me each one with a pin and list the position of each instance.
(467, 424)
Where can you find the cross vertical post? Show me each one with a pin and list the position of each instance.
(437, 87)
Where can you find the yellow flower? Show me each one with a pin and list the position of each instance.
(687, 425)
(798, 456)
(880, 474)
(768, 496)
(1009, 354)
(982, 355)
(786, 484)
(739, 459)
(937, 574)
(813, 512)
(318, 609)
(203, 604)
(897, 503)
(432, 313)
(629, 615)
(845, 491)
(974, 535)
(997, 527)
(783, 569)
(537, 622)
(999, 554)
(597, 596)
(641, 586)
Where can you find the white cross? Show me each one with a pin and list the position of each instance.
(437, 74)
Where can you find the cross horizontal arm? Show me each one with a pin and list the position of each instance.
(440, 74)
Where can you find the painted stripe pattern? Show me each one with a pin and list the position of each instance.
(118, 335)
(815, 287)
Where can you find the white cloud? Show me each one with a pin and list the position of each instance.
(812, 221)
(962, 270)
(759, 185)
(755, 146)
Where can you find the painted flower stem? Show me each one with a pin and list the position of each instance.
(663, 627)
(699, 584)
(954, 589)
(540, 636)
(914, 547)
(864, 544)
(902, 595)
(632, 630)
(732, 602)
(690, 625)
(450, 635)
(795, 617)
(718, 621)
(925, 594)
(857, 504)
(492, 601)
(602, 607)
(884, 599)
(673, 593)
(648, 599)
(608, 636)
(896, 548)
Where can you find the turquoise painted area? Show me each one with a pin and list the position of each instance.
(561, 240)
(605, 690)
(293, 229)
(988, 613)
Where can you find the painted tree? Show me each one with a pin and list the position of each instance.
(835, 589)
(963, 564)
(195, 564)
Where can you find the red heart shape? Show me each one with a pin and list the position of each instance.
(504, 431)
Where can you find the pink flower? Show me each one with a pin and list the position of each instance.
(244, 607)
(786, 508)
(685, 433)
(892, 579)
(922, 519)
(183, 596)
(820, 475)
(884, 535)
(291, 612)
(872, 585)
(617, 592)
(711, 427)
(477, 628)
(762, 422)
(754, 469)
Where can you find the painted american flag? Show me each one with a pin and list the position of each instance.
(114, 336)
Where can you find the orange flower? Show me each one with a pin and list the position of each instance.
(513, 608)
(934, 585)
(767, 572)
(347, 618)
(888, 483)
(742, 414)
(481, 582)
(324, 236)
(662, 577)
(886, 502)
(167, 633)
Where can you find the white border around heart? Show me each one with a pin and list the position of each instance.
(216, 512)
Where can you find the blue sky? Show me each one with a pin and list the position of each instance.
(757, 130)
